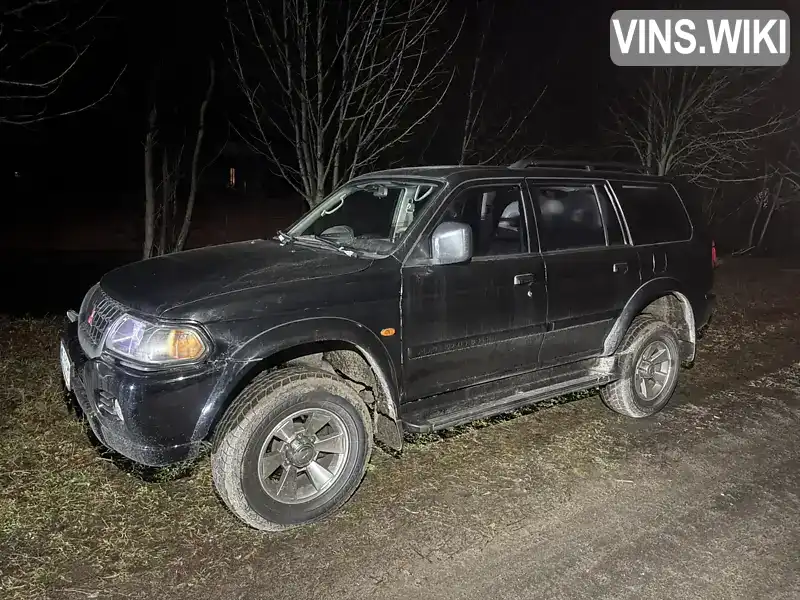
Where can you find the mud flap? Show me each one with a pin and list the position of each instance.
(388, 432)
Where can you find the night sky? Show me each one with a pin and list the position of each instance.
(166, 43)
(93, 157)
(172, 40)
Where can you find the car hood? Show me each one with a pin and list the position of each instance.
(158, 285)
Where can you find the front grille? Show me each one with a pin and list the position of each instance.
(102, 311)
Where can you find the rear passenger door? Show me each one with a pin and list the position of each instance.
(591, 270)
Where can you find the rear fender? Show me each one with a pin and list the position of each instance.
(641, 298)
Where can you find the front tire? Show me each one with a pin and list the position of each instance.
(292, 449)
(649, 363)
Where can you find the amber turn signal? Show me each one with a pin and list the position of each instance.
(389, 331)
(184, 344)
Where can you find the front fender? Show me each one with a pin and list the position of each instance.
(295, 333)
(644, 295)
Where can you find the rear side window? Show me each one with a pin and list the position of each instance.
(569, 217)
(694, 200)
(654, 213)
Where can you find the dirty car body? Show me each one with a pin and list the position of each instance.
(251, 300)
(419, 299)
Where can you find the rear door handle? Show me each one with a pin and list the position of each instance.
(620, 267)
(524, 278)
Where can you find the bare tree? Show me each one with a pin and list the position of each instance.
(149, 184)
(161, 196)
(194, 176)
(781, 188)
(790, 167)
(330, 87)
(42, 43)
(483, 141)
(700, 123)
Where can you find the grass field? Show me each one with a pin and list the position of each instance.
(75, 522)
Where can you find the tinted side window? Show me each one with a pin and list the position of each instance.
(610, 218)
(496, 217)
(569, 217)
(655, 214)
(694, 200)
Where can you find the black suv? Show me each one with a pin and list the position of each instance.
(409, 300)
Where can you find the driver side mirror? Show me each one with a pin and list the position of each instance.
(451, 243)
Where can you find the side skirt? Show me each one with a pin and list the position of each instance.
(465, 405)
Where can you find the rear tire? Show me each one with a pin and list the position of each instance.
(649, 361)
(292, 448)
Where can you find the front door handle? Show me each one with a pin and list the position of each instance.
(524, 278)
(620, 267)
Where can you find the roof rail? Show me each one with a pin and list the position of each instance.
(581, 164)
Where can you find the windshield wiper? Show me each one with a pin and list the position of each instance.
(285, 238)
(334, 245)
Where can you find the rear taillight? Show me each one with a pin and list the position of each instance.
(714, 262)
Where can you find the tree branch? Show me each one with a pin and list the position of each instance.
(33, 28)
(329, 90)
(700, 123)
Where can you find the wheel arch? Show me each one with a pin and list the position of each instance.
(663, 298)
(335, 344)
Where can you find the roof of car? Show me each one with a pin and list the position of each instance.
(459, 173)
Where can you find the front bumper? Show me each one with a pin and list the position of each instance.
(149, 417)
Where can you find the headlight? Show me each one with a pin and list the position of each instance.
(155, 344)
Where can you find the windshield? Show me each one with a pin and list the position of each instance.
(369, 217)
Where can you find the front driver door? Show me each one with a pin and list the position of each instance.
(484, 319)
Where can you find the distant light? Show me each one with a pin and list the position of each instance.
(232, 177)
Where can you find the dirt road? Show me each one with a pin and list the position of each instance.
(706, 507)
(701, 503)
(574, 501)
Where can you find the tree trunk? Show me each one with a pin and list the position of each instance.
(187, 217)
(166, 194)
(766, 224)
(149, 186)
(709, 210)
(776, 198)
(752, 234)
